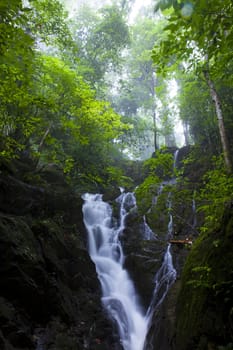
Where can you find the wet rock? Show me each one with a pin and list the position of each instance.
(143, 257)
(204, 308)
(142, 264)
(50, 294)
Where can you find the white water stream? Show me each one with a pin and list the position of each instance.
(164, 278)
(118, 293)
(119, 296)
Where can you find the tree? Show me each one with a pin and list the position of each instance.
(142, 70)
(197, 112)
(101, 37)
(198, 33)
(48, 23)
(16, 66)
(71, 123)
(21, 28)
(137, 91)
(215, 195)
(166, 111)
(47, 109)
(141, 91)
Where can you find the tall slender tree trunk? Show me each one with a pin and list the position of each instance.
(154, 130)
(186, 133)
(153, 85)
(221, 126)
(47, 131)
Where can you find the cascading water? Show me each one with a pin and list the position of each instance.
(170, 223)
(163, 280)
(119, 297)
(165, 276)
(175, 159)
(148, 234)
(194, 223)
(172, 181)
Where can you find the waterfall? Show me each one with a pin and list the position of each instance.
(172, 181)
(164, 278)
(119, 297)
(127, 203)
(175, 159)
(170, 222)
(194, 223)
(166, 275)
(155, 198)
(148, 234)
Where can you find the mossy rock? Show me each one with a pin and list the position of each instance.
(205, 305)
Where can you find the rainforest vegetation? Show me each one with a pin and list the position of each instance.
(101, 97)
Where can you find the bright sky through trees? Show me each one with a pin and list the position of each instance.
(135, 15)
(136, 8)
(72, 5)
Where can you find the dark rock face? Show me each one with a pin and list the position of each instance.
(204, 309)
(50, 297)
(143, 260)
(49, 291)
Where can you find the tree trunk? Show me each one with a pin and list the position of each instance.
(221, 126)
(47, 131)
(155, 131)
(186, 133)
(44, 137)
(153, 85)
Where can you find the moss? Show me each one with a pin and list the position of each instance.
(204, 310)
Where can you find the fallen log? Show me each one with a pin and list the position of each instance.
(181, 241)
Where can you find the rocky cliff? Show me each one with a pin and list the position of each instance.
(49, 291)
(49, 294)
(204, 311)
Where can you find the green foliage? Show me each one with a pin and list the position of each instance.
(158, 168)
(137, 138)
(197, 39)
(116, 177)
(15, 78)
(197, 111)
(216, 193)
(69, 164)
(207, 285)
(49, 23)
(161, 164)
(193, 31)
(135, 96)
(81, 129)
(200, 277)
(47, 109)
(101, 37)
(146, 191)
